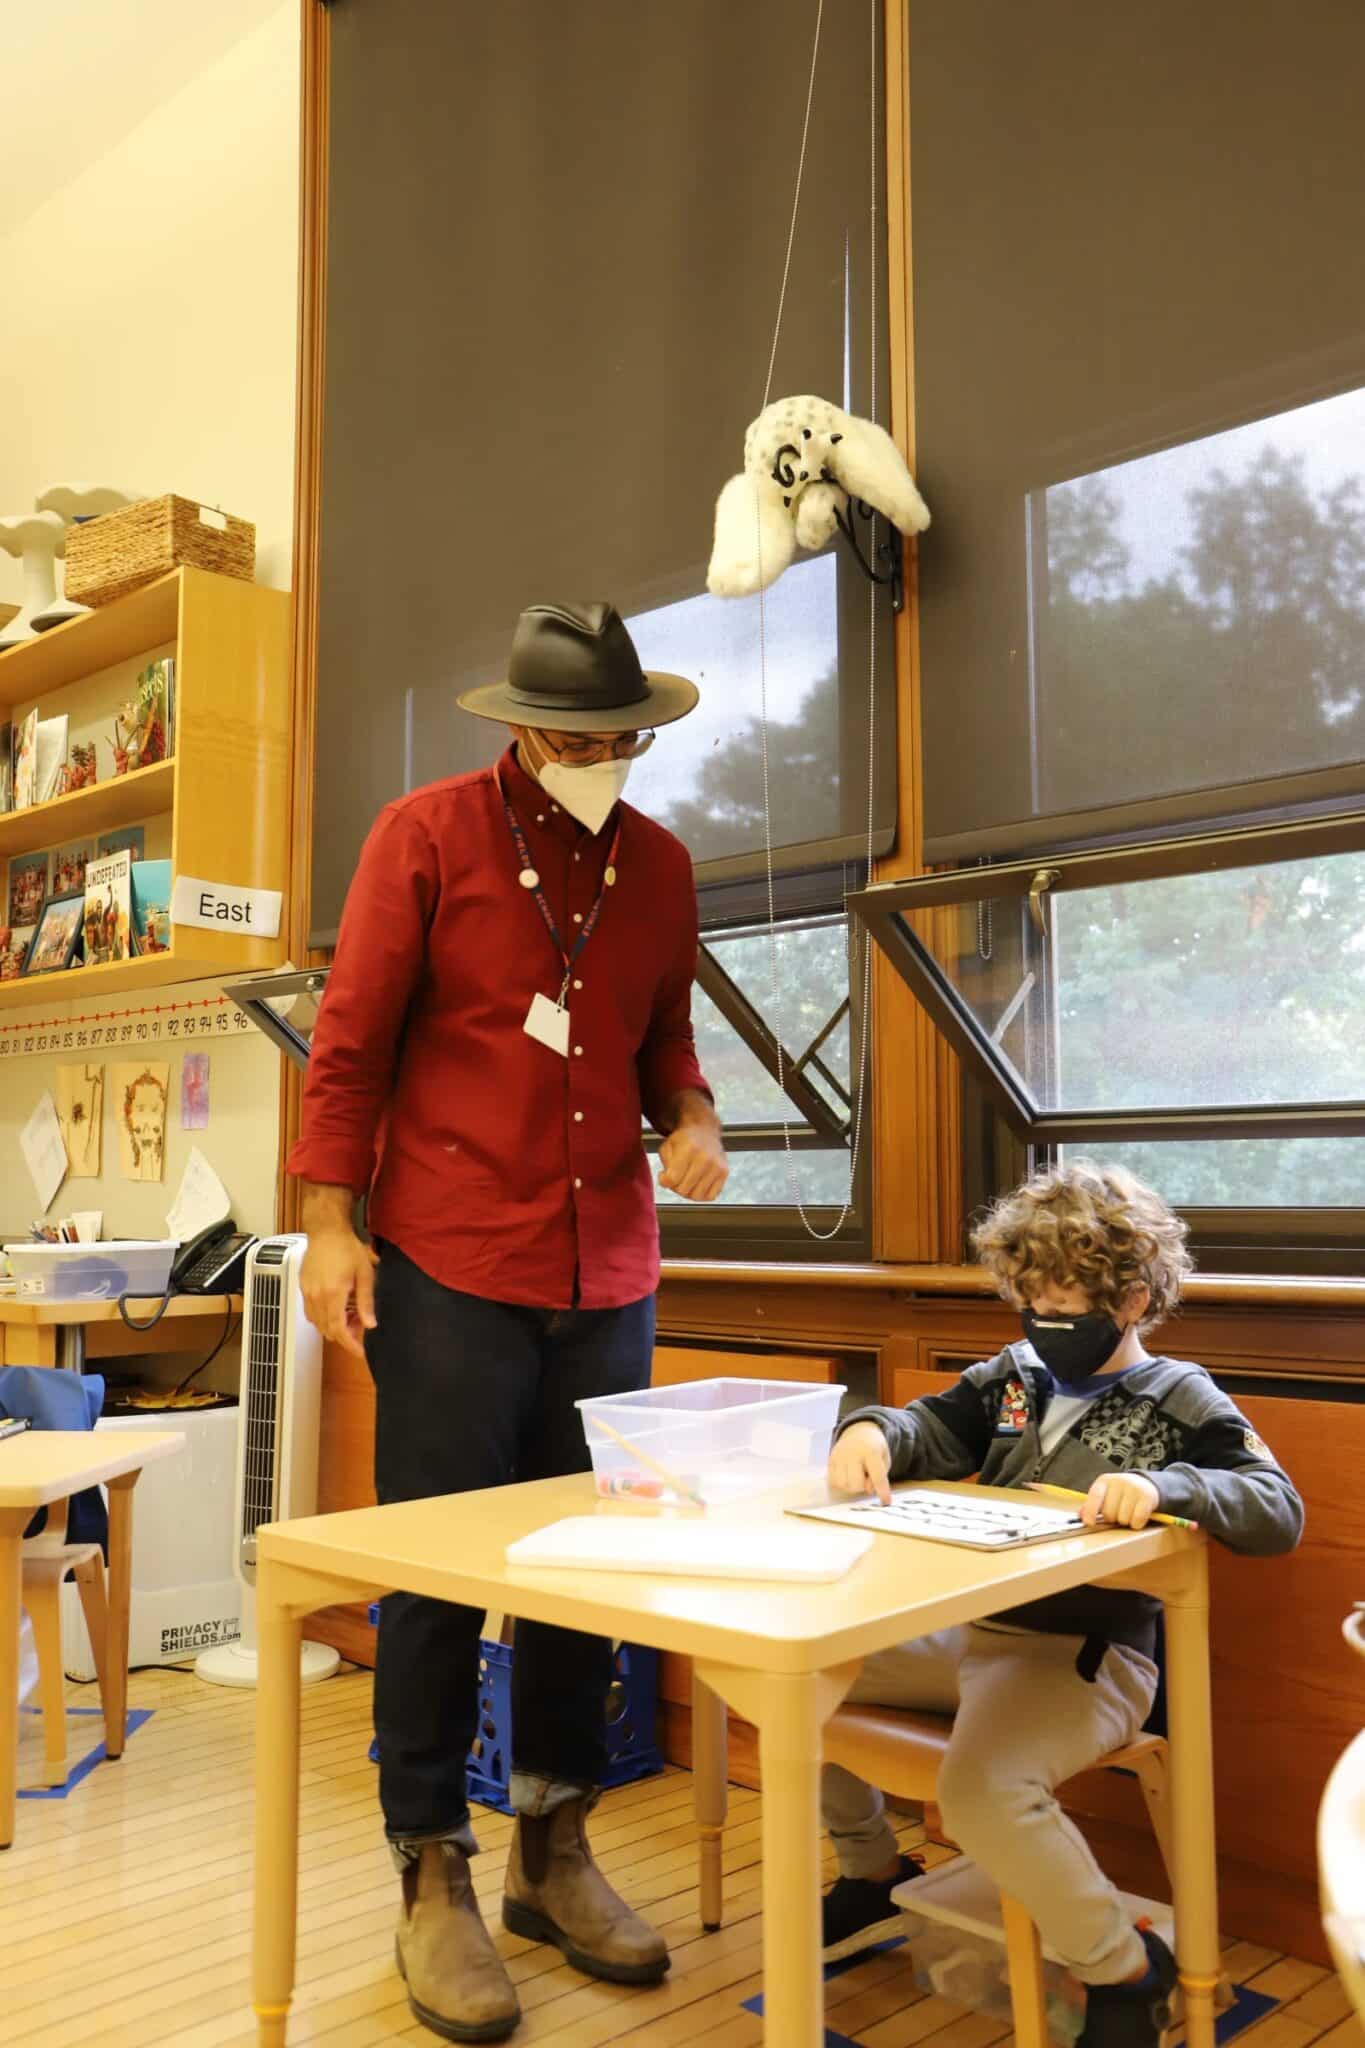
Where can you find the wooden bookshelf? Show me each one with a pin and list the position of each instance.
(225, 791)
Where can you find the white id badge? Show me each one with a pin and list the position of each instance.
(548, 1025)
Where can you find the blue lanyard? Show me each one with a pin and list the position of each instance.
(547, 915)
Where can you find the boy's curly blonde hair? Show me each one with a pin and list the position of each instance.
(1098, 1228)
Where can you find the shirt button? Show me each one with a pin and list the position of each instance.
(555, 809)
(578, 856)
(578, 1116)
(578, 984)
(540, 817)
(578, 915)
(578, 1052)
(578, 1183)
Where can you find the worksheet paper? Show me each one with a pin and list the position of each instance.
(40, 1141)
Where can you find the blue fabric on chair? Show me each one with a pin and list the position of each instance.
(59, 1400)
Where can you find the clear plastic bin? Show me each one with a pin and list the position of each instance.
(952, 1923)
(91, 1272)
(724, 1439)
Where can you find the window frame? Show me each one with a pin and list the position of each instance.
(775, 1231)
(886, 908)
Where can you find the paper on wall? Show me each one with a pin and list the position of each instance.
(40, 1141)
(202, 1199)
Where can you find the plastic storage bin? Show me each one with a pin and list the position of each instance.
(952, 1923)
(632, 1703)
(91, 1272)
(724, 1439)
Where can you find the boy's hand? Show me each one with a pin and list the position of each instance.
(1123, 1499)
(861, 1462)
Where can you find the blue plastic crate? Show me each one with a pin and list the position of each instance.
(632, 1703)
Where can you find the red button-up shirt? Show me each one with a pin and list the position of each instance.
(498, 1166)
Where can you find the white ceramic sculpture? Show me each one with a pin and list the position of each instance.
(70, 502)
(36, 538)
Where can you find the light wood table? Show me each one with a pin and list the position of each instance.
(782, 1655)
(55, 1333)
(36, 1469)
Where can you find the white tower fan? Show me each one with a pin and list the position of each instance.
(277, 1440)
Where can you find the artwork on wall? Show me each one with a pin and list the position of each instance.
(194, 1092)
(80, 1112)
(140, 1090)
(28, 884)
(57, 937)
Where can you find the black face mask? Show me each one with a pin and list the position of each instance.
(1072, 1347)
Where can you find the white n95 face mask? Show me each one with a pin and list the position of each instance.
(588, 794)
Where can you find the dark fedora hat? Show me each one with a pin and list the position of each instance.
(574, 669)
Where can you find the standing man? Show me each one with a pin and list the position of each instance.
(511, 993)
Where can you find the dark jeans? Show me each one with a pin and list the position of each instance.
(474, 1393)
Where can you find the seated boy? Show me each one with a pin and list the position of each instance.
(1092, 1258)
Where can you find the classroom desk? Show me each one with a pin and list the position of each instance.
(782, 1655)
(54, 1333)
(37, 1468)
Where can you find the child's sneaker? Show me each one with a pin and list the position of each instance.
(1132, 2015)
(858, 1912)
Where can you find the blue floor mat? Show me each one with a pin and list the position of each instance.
(81, 1770)
(1249, 2007)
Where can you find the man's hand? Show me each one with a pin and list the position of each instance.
(1123, 1499)
(338, 1270)
(861, 1462)
(692, 1160)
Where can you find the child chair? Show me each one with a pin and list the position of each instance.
(45, 1561)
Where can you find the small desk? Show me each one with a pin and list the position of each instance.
(54, 1333)
(782, 1655)
(42, 1466)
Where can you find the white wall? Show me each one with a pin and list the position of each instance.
(150, 306)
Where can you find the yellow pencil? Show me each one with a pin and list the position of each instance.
(680, 1486)
(1069, 1493)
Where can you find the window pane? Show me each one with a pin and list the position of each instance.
(812, 977)
(1235, 988)
(704, 777)
(1252, 1173)
(1226, 576)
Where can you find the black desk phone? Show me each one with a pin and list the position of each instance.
(214, 1262)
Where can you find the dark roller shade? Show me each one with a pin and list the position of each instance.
(1140, 396)
(555, 244)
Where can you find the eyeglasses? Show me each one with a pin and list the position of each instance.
(580, 750)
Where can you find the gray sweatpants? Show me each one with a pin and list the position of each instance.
(1025, 1720)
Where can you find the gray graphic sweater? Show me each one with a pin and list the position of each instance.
(1162, 1418)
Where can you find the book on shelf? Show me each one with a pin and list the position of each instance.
(50, 762)
(14, 945)
(151, 882)
(6, 765)
(108, 910)
(25, 761)
(130, 839)
(69, 864)
(29, 887)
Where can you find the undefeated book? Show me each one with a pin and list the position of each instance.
(108, 910)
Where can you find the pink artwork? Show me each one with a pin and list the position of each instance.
(194, 1092)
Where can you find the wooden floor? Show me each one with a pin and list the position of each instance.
(126, 1910)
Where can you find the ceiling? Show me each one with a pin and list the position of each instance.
(81, 74)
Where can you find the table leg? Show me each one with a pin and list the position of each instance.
(71, 1347)
(12, 1524)
(279, 1635)
(710, 1792)
(1190, 1728)
(120, 1600)
(789, 1751)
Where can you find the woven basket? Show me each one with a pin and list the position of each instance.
(108, 557)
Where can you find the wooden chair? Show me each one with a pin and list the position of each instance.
(901, 1753)
(45, 1560)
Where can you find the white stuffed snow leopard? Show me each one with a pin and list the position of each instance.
(803, 460)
